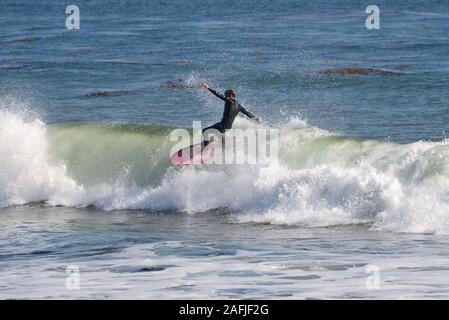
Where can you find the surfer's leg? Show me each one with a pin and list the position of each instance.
(216, 126)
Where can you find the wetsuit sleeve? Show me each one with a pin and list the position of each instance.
(217, 94)
(247, 113)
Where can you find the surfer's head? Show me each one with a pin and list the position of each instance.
(230, 94)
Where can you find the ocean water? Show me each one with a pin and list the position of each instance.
(356, 207)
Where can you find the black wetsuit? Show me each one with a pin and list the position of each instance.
(231, 110)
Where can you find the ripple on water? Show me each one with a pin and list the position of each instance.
(134, 269)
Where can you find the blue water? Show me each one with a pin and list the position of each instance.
(271, 53)
(85, 178)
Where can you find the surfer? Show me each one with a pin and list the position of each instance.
(194, 154)
(231, 110)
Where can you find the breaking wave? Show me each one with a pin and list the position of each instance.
(321, 179)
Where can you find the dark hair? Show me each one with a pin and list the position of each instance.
(230, 93)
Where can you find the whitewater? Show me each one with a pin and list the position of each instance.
(322, 179)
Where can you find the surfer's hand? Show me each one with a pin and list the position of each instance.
(259, 120)
(205, 85)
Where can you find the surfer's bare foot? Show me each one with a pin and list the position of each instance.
(205, 85)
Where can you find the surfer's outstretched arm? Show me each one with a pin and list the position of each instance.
(249, 114)
(215, 93)
(229, 97)
(246, 112)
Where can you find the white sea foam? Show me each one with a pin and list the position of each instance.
(25, 173)
(321, 179)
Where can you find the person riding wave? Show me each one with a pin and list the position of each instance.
(231, 110)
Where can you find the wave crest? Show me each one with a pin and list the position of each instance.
(321, 179)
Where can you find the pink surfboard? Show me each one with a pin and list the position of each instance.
(195, 154)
